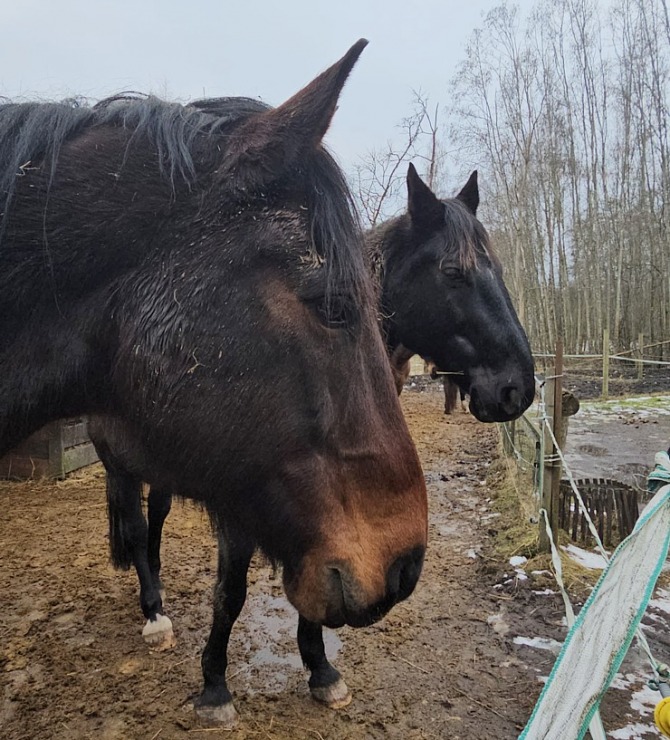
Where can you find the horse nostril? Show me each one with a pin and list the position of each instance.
(337, 598)
(511, 399)
(403, 574)
(336, 584)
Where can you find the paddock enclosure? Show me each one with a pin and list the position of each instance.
(459, 659)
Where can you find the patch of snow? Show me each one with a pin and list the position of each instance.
(498, 624)
(662, 601)
(540, 573)
(661, 605)
(540, 643)
(622, 682)
(545, 592)
(656, 618)
(636, 731)
(643, 701)
(488, 517)
(472, 553)
(517, 560)
(521, 574)
(590, 560)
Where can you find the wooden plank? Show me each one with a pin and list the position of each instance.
(32, 447)
(600, 499)
(609, 506)
(78, 457)
(55, 450)
(75, 434)
(19, 467)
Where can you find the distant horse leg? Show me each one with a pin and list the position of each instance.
(128, 544)
(451, 391)
(325, 683)
(215, 704)
(159, 503)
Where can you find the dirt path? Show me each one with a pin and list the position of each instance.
(73, 665)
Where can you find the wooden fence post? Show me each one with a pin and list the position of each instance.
(544, 544)
(553, 400)
(640, 352)
(557, 427)
(606, 362)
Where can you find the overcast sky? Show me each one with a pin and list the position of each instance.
(267, 49)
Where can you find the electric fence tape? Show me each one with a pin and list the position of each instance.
(599, 639)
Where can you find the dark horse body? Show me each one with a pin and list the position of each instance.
(442, 296)
(158, 263)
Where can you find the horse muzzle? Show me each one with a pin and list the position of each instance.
(500, 396)
(347, 602)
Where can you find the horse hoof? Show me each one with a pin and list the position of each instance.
(158, 633)
(224, 715)
(335, 696)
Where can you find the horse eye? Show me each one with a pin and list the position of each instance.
(334, 311)
(453, 273)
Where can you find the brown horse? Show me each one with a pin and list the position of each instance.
(196, 274)
(442, 296)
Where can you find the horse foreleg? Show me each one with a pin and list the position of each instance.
(158, 507)
(325, 682)
(215, 704)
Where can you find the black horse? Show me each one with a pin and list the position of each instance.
(159, 265)
(452, 393)
(442, 296)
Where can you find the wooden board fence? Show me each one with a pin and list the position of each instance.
(612, 505)
(53, 452)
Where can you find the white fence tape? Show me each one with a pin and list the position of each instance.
(598, 641)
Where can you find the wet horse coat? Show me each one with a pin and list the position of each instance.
(158, 264)
(432, 265)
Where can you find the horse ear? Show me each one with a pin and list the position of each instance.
(470, 193)
(270, 143)
(425, 209)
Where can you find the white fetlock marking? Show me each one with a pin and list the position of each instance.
(224, 715)
(336, 696)
(158, 632)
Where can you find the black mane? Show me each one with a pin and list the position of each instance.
(462, 237)
(185, 138)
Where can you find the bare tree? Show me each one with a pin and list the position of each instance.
(379, 178)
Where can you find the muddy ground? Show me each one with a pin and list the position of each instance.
(444, 664)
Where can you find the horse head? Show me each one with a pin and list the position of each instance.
(250, 364)
(458, 313)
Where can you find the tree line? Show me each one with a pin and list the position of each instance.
(564, 113)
